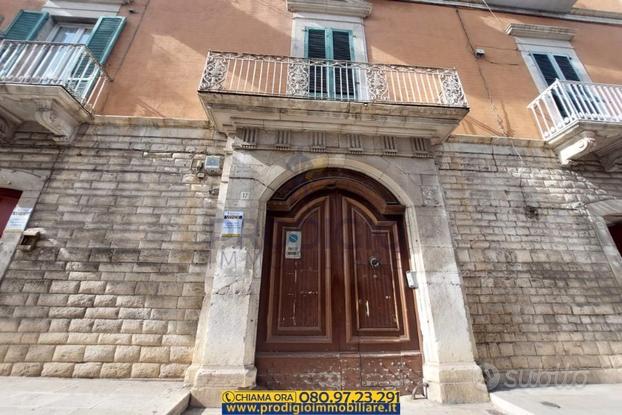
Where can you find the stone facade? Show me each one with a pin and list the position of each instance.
(540, 290)
(225, 351)
(115, 285)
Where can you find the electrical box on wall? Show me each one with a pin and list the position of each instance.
(213, 165)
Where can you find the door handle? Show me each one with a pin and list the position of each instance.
(374, 262)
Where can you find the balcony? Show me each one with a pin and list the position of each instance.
(241, 90)
(56, 86)
(581, 120)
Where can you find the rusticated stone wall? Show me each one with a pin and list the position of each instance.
(115, 286)
(540, 290)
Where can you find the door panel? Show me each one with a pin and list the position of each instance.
(373, 271)
(299, 307)
(330, 318)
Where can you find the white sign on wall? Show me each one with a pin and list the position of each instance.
(232, 223)
(293, 243)
(18, 219)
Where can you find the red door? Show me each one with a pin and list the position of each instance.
(334, 310)
(8, 201)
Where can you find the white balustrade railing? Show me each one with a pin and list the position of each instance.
(282, 76)
(41, 63)
(565, 102)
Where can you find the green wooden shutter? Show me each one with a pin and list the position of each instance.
(26, 25)
(316, 44)
(546, 67)
(566, 67)
(104, 36)
(316, 49)
(343, 74)
(341, 46)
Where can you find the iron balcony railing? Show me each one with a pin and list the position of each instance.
(566, 102)
(41, 63)
(321, 79)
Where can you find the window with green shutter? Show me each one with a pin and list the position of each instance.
(555, 66)
(104, 36)
(327, 78)
(26, 25)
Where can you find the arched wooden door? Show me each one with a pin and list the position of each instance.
(335, 311)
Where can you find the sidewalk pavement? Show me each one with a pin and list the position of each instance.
(558, 400)
(53, 396)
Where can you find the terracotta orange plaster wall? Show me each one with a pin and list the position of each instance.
(601, 5)
(498, 86)
(9, 8)
(158, 74)
(158, 60)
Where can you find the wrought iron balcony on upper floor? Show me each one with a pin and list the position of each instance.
(248, 90)
(56, 85)
(581, 120)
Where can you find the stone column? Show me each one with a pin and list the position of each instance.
(448, 346)
(225, 349)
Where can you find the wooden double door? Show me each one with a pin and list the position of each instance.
(335, 311)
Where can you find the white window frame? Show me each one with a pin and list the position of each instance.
(303, 21)
(57, 26)
(529, 46)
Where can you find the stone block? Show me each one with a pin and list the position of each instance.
(52, 338)
(173, 370)
(26, 369)
(145, 370)
(92, 287)
(58, 370)
(87, 370)
(155, 327)
(68, 353)
(127, 354)
(154, 354)
(181, 354)
(99, 353)
(116, 370)
(39, 353)
(16, 353)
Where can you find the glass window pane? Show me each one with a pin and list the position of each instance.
(66, 34)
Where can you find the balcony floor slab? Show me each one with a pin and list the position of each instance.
(228, 112)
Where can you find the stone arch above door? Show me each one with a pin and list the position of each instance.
(225, 350)
(337, 312)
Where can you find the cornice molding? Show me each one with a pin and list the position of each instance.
(576, 14)
(540, 31)
(356, 8)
